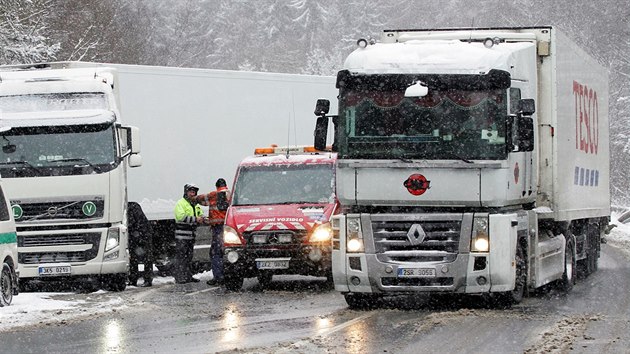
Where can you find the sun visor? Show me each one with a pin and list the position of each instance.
(56, 118)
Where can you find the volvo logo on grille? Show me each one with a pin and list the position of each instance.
(273, 238)
(416, 234)
(52, 211)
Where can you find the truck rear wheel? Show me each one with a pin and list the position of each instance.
(588, 265)
(6, 285)
(358, 301)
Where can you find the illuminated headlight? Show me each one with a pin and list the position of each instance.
(113, 239)
(354, 235)
(230, 236)
(480, 240)
(355, 245)
(321, 233)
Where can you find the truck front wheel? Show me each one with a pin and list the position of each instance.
(114, 282)
(358, 301)
(264, 279)
(233, 282)
(520, 282)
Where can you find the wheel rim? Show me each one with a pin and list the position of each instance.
(568, 262)
(5, 286)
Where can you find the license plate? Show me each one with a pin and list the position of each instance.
(416, 272)
(281, 264)
(54, 270)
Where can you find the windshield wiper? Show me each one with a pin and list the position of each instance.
(79, 159)
(23, 163)
(452, 154)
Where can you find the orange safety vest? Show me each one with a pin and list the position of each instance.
(215, 216)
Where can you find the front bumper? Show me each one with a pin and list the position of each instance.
(83, 250)
(307, 260)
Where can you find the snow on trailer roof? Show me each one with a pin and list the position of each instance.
(35, 73)
(432, 56)
(56, 118)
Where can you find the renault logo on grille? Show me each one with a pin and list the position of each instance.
(416, 234)
(52, 211)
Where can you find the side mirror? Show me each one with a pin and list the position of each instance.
(520, 132)
(322, 107)
(134, 140)
(525, 131)
(321, 130)
(526, 106)
(135, 160)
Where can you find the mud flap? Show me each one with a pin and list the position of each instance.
(503, 233)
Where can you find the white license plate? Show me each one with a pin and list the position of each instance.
(54, 270)
(416, 272)
(283, 264)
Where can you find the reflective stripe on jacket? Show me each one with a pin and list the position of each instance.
(186, 219)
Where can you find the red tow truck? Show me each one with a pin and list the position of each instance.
(279, 218)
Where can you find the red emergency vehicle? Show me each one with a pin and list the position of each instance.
(279, 218)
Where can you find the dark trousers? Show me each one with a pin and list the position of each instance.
(216, 252)
(140, 252)
(182, 264)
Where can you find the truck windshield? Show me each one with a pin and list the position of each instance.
(58, 150)
(284, 184)
(380, 123)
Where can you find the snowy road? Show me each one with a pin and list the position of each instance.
(306, 317)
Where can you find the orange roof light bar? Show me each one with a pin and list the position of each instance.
(277, 150)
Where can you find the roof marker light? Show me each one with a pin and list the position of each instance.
(362, 43)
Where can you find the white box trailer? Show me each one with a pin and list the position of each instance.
(470, 160)
(198, 124)
(573, 132)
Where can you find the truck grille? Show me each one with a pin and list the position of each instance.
(67, 210)
(24, 242)
(416, 241)
(270, 242)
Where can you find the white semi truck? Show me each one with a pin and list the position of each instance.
(64, 163)
(67, 178)
(470, 161)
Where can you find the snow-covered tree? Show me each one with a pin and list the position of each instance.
(24, 32)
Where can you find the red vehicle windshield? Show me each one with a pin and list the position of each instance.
(284, 184)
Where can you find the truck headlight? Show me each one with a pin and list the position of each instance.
(321, 233)
(480, 240)
(230, 236)
(354, 235)
(113, 239)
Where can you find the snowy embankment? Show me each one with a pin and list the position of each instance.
(619, 236)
